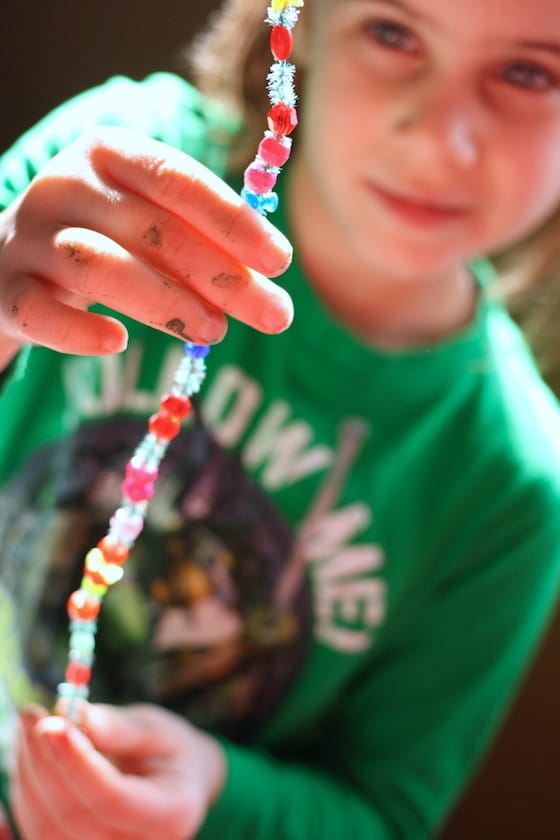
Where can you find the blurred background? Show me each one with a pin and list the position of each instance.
(53, 50)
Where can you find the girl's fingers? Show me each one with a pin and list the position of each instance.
(31, 810)
(123, 803)
(60, 761)
(177, 183)
(30, 313)
(164, 262)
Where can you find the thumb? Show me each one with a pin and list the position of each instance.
(127, 731)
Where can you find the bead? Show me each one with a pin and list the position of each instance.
(127, 524)
(275, 151)
(83, 605)
(77, 674)
(196, 351)
(164, 426)
(137, 492)
(70, 691)
(139, 472)
(101, 572)
(280, 5)
(176, 406)
(82, 656)
(262, 203)
(282, 118)
(281, 42)
(258, 179)
(83, 644)
(91, 587)
(113, 552)
(81, 626)
(138, 485)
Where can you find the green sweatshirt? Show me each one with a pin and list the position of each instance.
(350, 556)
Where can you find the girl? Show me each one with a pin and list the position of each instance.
(354, 549)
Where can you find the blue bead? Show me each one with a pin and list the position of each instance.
(196, 351)
(270, 203)
(252, 199)
(267, 203)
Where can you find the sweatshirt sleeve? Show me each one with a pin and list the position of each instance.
(162, 106)
(409, 732)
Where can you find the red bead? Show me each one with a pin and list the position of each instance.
(273, 151)
(164, 426)
(82, 606)
(282, 118)
(176, 406)
(116, 553)
(77, 673)
(281, 42)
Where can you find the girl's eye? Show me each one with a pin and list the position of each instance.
(394, 36)
(528, 76)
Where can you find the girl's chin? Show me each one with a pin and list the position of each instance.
(409, 264)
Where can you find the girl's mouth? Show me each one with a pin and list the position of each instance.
(417, 210)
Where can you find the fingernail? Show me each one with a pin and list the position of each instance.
(213, 328)
(54, 734)
(276, 263)
(278, 314)
(114, 343)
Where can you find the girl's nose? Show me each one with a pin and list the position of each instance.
(441, 127)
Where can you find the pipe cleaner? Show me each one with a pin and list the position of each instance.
(104, 563)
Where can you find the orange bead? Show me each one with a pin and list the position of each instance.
(176, 406)
(163, 426)
(113, 552)
(82, 606)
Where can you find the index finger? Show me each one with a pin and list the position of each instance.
(181, 185)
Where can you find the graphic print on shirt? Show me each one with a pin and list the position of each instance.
(280, 450)
(213, 618)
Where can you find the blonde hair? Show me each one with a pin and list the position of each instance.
(529, 275)
(229, 62)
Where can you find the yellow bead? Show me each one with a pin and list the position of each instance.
(280, 5)
(92, 588)
(101, 572)
(95, 559)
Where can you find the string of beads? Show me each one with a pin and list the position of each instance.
(104, 563)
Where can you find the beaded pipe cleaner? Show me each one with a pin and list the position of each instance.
(104, 563)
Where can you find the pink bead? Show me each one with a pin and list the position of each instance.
(126, 524)
(138, 485)
(140, 472)
(137, 491)
(259, 180)
(274, 152)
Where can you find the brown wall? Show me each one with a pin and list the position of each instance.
(52, 50)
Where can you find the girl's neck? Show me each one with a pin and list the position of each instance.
(383, 311)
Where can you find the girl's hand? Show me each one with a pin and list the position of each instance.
(133, 773)
(120, 219)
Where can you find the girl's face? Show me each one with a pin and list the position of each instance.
(430, 128)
